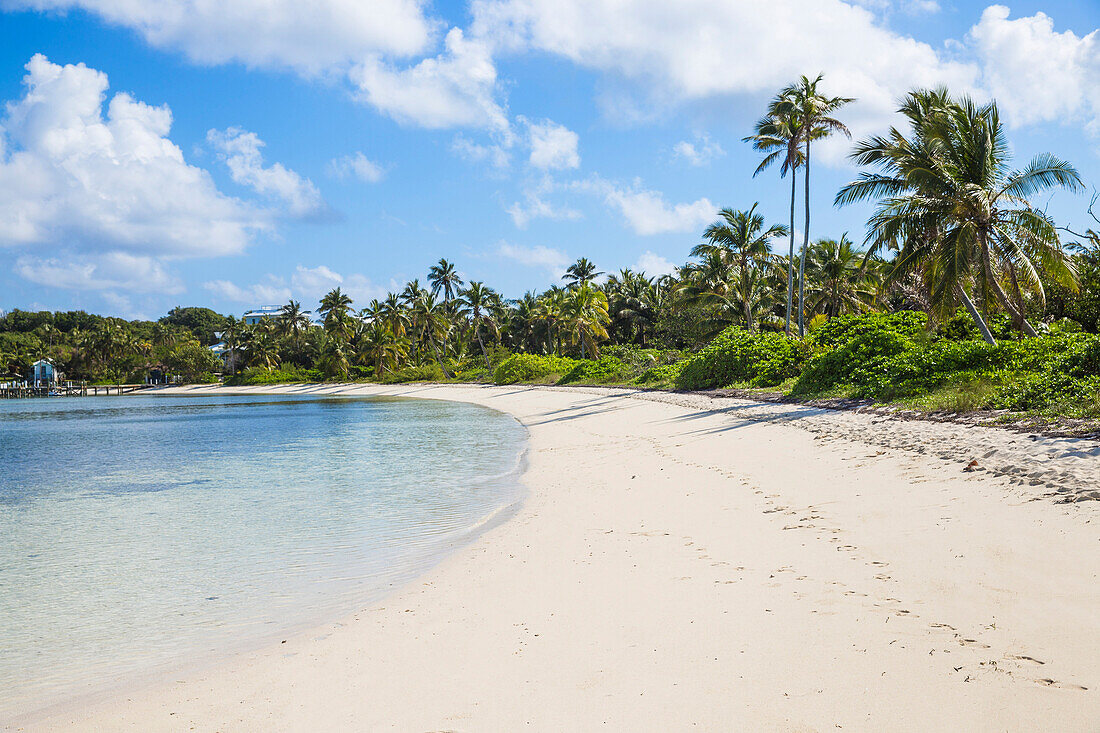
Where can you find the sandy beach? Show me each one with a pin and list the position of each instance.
(689, 563)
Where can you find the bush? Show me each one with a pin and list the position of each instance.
(532, 368)
(663, 374)
(429, 372)
(281, 375)
(737, 356)
(842, 329)
(606, 369)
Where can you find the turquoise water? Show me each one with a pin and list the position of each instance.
(139, 531)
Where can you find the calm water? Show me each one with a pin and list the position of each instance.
(139, 530)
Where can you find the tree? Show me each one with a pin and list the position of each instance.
(947, 200)
(202, 322)
(580, 272)
(812, 113)
(586, 318)
(778, 134)
(192, 361)
(839, 280)
(336, 311)
(443, 277)
(476, 305)
(292, 323)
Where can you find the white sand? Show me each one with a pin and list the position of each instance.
(687, 563)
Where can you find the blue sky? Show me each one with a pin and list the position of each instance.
(262, 150)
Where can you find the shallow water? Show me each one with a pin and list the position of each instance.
(140, 530)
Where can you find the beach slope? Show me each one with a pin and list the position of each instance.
(683, 562)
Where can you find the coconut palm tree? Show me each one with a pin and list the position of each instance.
(586, 318)
(433, 325)
(476, 303)
(580, 272)
(778, 134)
(292, 323)
(393, 313)
(840, 280)
(550, 312)
(334, 359)
(738, 247)
(812, 113)
(380, 347)
(443, 277)
(336, 310)
(947, 199)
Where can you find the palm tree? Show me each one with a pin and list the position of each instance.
(392, 311)
(476, 303)
(779, 134)
(738, 246)
(947, 200)
(433, 325)
(380, 347)
(444, 277)
(581, 272)
(550, 312)
(334, 358)
(292, 323)
(587, 318)
(840, 281)
(812, 112)
(336, 308)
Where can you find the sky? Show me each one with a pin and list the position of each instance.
(239, 153)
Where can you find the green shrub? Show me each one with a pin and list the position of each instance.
(663, 374)
(429, 372)
(281, 375)
(605, 370)
(532, 368)
(736, 356)
(842, 329)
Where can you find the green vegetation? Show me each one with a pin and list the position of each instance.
(962, 297)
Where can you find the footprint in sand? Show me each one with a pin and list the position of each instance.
(1046, 681)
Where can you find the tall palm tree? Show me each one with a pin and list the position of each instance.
(476, 303)
(586, 318)
(336, 310)
(380, 347)
(812, 112)
(443, 277)
(778, 134)
(433, 326)
(550, 312)
(393, 312)
(948, 201)
(580, 272)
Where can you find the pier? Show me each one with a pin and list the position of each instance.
(69, 389)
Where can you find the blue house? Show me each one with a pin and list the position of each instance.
(43, 374)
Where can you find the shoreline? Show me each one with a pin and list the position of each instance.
(672, 564)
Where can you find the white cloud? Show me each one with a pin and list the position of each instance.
(536, 206)
(675, 52)
(240, 150)
(109, 271)
(309, 37)
(357, 166)
(307, 284)
(700, 152)
(454, 89)
(552, 260)
(553, 146)
(467, 149)
(654, 265)
(72, 178)
(1035, 73)
(646, 211)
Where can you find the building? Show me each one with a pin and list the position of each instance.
(256, 315)
(44, 374)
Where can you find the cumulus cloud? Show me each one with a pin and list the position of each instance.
(1036, 73)
(551, 260)
(675, 52)
(475, 152)
(109, 271)
(536, 206)
(553, 146)
(646, 211)
(71, 177)
(240, 150)
(654, 265)
(457, 88)
(356, 166)
(308, 37)
(307, 284)
(700, 152)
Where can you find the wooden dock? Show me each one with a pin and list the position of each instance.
(70, 389)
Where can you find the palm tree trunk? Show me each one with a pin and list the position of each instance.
(790, 256)
(1017, 316)
(961, 291)
(439, 361)
(805, 244)
(485, 354)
